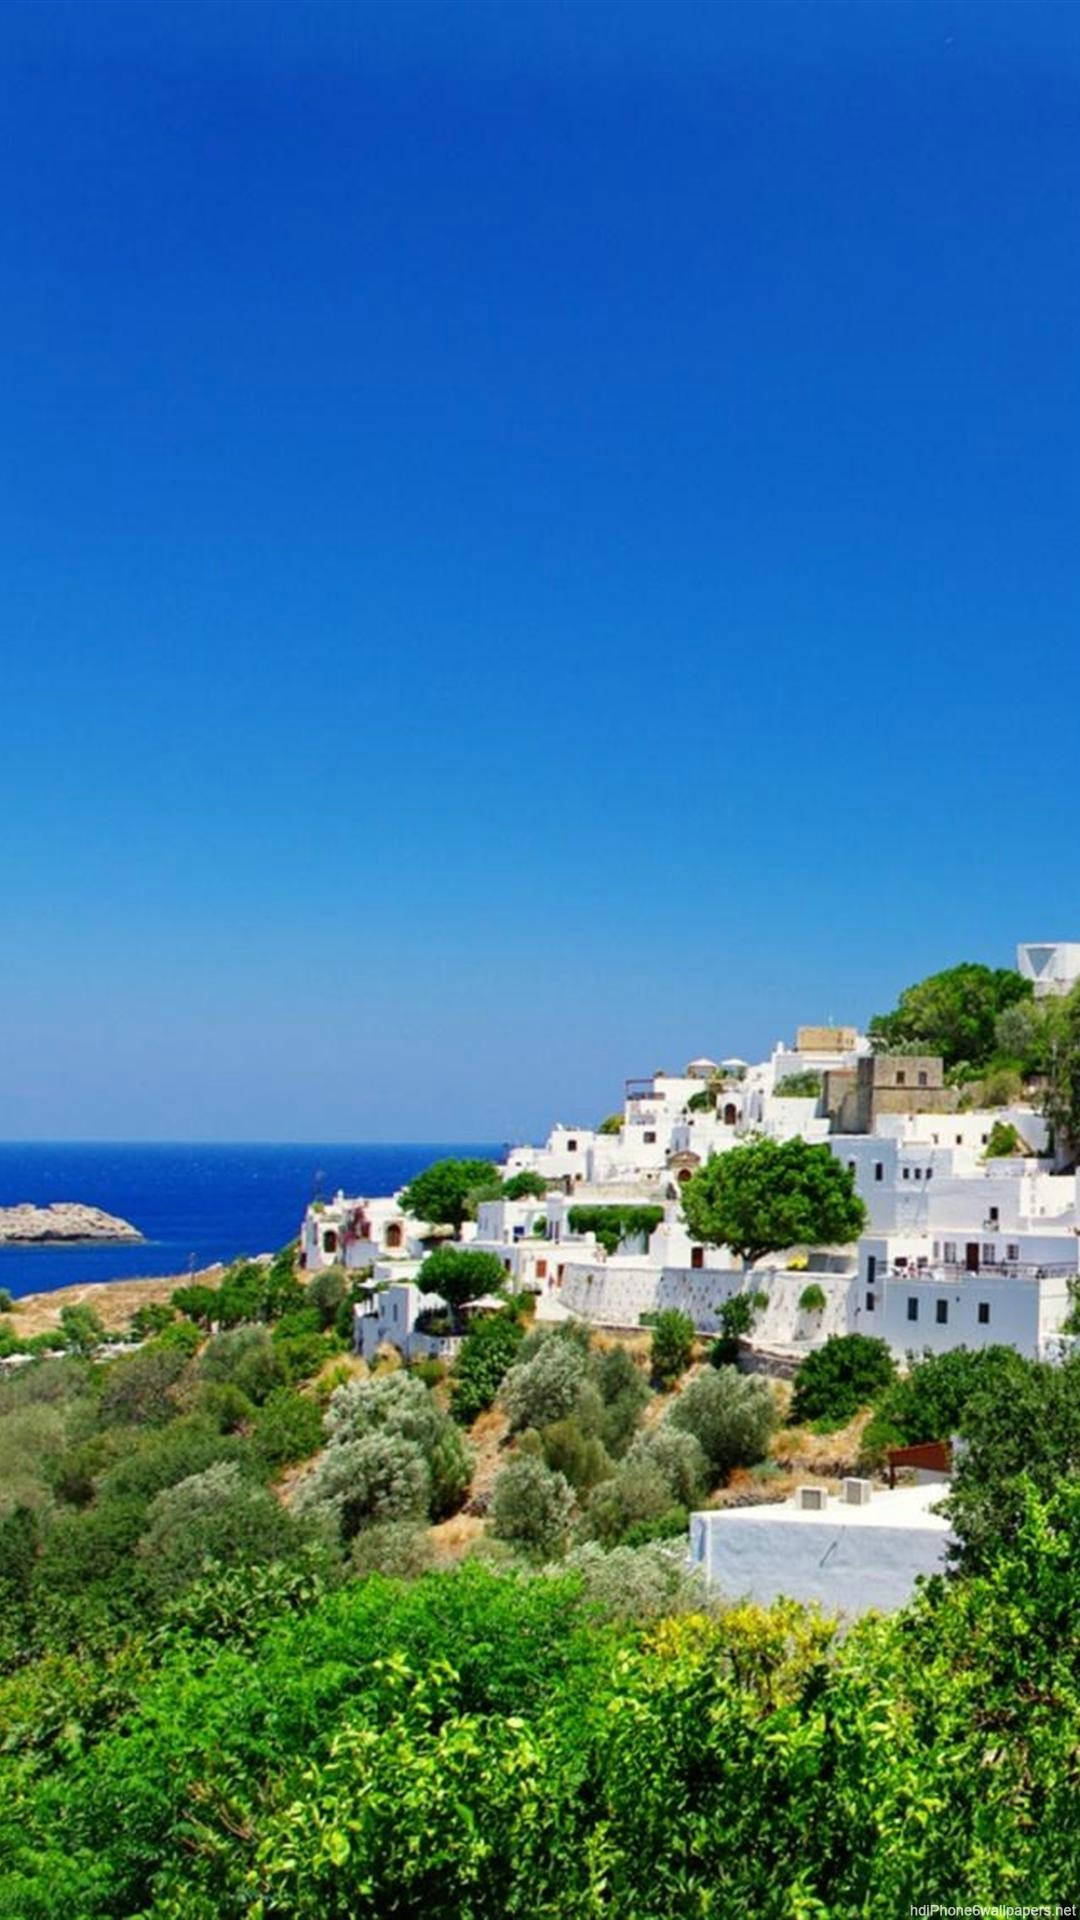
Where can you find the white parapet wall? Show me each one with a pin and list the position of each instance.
(616, 1293)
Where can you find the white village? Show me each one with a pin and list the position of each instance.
(971, 1240)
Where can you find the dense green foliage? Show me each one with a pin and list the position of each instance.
(805, 1085)
(1004, 1140)
(953, 1013)
(442, 1194)
(1063, 1095)
(835, 1380)
(611, 1123)
(671, 1348)
(930, 1401)
(525, 1186)
(476, 1744)
(731, 1416)
(772, 1194)
(737, 1316)
(460, 1274)
(812, 1298)
(614, 1224)
(485, 1356)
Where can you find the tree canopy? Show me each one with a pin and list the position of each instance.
(953, 1013)
(460, 1274)
(771, 1194)
(442, 1192)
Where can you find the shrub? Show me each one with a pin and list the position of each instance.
(381, 1477)
(245, 1357)
(152, 1317)
(931, 1400)
(325, 1293)
(487, 1352)
(225, 1405)
(395, 1548)
(637, 1492)
(7, 1304)
(812, 1299)
(288, 1427)
(164, 1456)
(624, 1394)
(539, 1391)
(679, 1459)
(1004, 1139)
(636, 1583)
(737, 1317)
(532, 1507)
(579, 1455)
(82, 1329)
(399, 1405)
(138, 1388)
(834, 1381)
(799, 1086)
(197, 1302)
(218, 1517)
(672, 1347)
(441, 1194)
(730, 1414)
(614, 1224)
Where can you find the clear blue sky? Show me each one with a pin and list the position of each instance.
(539, 540)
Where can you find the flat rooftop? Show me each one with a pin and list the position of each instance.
(887, 1507)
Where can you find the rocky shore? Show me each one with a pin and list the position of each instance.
(63, 1220)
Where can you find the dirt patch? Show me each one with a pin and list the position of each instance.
(114, 1301)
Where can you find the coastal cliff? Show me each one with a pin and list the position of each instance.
(63, 1220)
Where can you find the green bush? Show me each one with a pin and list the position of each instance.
(82, 1329)
(484, 1358)
(532, 1507)
(152, 1317)
(381, 1477)
(398, 1549)
(245, 1357)
(575, 1453)
(288, 1427)
(324, 1294)
(799, 1086)
(1004, 1141)
(613, 1224)
(731, 1415)
(458, 1274)
(140, 1388)
(672, 1347)
(525, 1186)
(218, 1517)
(398, 1405)
(737, 1316)
(637, 1492)
(539, 1391)
(679, 1459)
(812, 1299)
(7, 1304)
(834, 1381)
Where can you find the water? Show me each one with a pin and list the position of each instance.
(195, 1204)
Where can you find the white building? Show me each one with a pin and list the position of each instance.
(1052, 966)
(864, 1549)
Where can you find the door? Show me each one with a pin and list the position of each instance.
(971, 1258)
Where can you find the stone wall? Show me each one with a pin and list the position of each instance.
(612, 1295)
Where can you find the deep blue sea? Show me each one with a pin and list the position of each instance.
(195, 1204)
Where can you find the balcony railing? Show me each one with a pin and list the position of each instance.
(998, 1269)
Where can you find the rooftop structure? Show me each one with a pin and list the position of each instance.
(1053, 966)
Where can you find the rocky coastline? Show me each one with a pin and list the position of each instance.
(63, 1220)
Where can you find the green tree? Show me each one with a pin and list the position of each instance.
(525, 1186)
(82, 1329)
(440, 1194)
(1021, 1430)
(836, 1379)
(772, 1194)
(731, 1415)
(532, 1507)
(461, 1273)
(952, 1013)
(1063, 1092)
(325, 1292)
(1004, 1141)
(545, 1388)
(737, 1316)
(487, 1352)
(671, 1348)
(611, 1123)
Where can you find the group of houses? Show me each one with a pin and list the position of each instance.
(962, 1247)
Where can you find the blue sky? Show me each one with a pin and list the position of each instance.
(539, 540)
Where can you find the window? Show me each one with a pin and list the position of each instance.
(929, 1173)
(994, 1216)
(571, 1146)
(508, 1266)
(918, 1173)
(697, 1256)
(988, 1253)
(959, 1139)
(869, 1303)
(922, 1077)
(950, 1253)
(984, 1313)
(941, 1312)
(901, 1076)
(541, 1269)
(879, 1170)
(907, 1173)
(1012, 1251)
(650, 1139)
(912, 1307)
(871, 1269)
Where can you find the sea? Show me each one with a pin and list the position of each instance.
(194, 1204)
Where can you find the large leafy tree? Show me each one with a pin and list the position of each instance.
(953, 1013)
(442, 1192)
(771, 1194)
(459, 1274)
